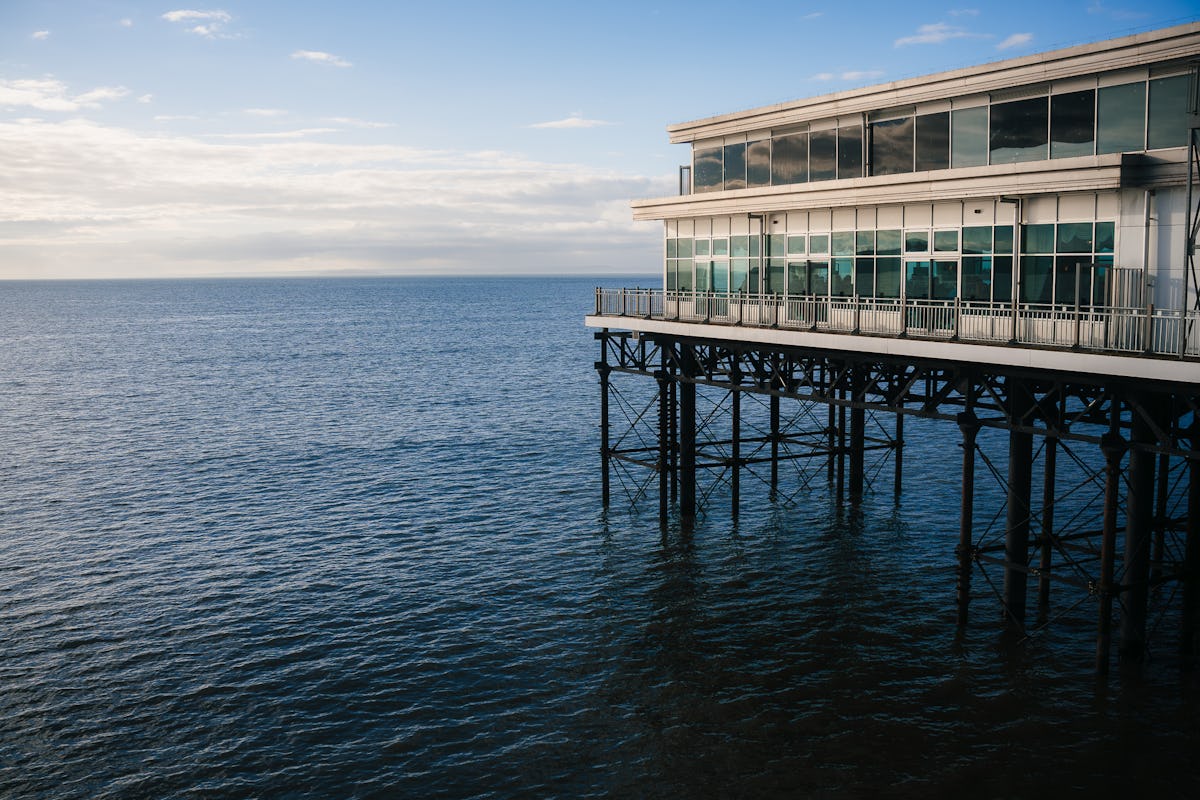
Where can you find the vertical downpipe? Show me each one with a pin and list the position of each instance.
(1148, 218)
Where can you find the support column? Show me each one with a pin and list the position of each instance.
(966, 542)
(1049, 474)
(1139, 532)
(1113, 447)
(858, 427)
(1160, 518)
(735, 447)
(673, 431)
(664, 442)
(774, 445)
(687, 439)
(1020, 487)
(604, 370)
(1189, 644)
(841, 450)
(898, 445)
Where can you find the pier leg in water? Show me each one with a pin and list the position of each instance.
(1020, 486)
(774, 445)
(1047, 538)
(664, 442)
(603, 368)
(858, 427)
(687, 439)
(841, 451)
(735, 449)
(969, 426)
(1113, 447)
(897, 485)
(1139, 531)
(1189, 644)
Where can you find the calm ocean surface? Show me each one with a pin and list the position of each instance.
(343, 538)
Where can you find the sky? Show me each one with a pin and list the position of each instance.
(169, 139)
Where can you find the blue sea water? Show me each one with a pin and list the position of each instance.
(343, 538)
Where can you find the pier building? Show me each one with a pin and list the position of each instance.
(1008, 247)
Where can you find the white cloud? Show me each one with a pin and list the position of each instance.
(964, 12)
(48, 94)
(40, 35)
(126, 23)
(296, 134)
(575, 120)
(210, 23)
(936, 33)
(145, 98)
(178, 205)
(813, 15)
(265, 112)
(321, 58)
(359, 123)
(1016, 40)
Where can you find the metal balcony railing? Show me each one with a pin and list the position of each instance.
(1147, 331)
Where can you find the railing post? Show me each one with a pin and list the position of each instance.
(903, 313)
(1077, 322)
(857, 315)
(957, 316)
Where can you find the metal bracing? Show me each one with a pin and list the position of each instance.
(1100, 477)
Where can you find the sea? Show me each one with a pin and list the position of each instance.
(343, 538)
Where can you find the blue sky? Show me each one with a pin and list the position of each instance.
(147, 139)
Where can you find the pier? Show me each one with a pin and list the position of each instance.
(1009, 250)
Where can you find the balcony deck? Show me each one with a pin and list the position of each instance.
(1145, 343)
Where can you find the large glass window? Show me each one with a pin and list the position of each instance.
(758, 163)
(739, 274)
(977, 240)
(977, 278)
(969, 137)
(822, 155)
(892, 146)
(850, 152)
(1168, 112)
(887, 277)
(796, 245)
(684, 268)
(843, 243)
(887, 243)
(789, 162)
(842, 277)
(933, 141)
(720, 276)
(707, 170)
(774, 276)
(1121, 118)
(735, 166)
(1037, 278)
(818, 243)
(1072, 124)
(1018, 131)
(864, 277)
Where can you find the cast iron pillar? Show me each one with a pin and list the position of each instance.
(735, 446)
(604, 369)
(965, 551)
(1047, 534)
(687, 438)
(1020, 486)
(1139, 532)
(1189, 644)
(664, 442)
(1113, 447)
(858, 427)
(898, 446)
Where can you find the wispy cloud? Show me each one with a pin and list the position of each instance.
(1123, 14)
(319, 57)
(358, 123)
(145, 98)
(265, 112)
(849, 75)
(209, 24)
(296, 134)
(40, 35)
(936, 33)
(48, 94)
(575, 120)
(1016, 40)
(964, 12)
(126, 23)
(813, 15)
(178, 205)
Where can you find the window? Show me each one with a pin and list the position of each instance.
(887, 243)
(850, 152)
(758, 163)
(708, 170)
(887, 277)
(933, 141)
(795, 245)
(945, 241)
(822, 155)
(843, 243)
(818, 244)
(916, 242)
(892, 146)
(1072, 124)
(735, 166)
(969, 137)
(1018, 131)
(842, 277)
(789, 162)
(1168, 112)
(1121, 118)
(864, 277)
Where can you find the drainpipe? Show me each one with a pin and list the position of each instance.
(1016, 265)
(1148, 280)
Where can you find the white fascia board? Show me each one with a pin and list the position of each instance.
(1082, 174)
(1057, 361)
